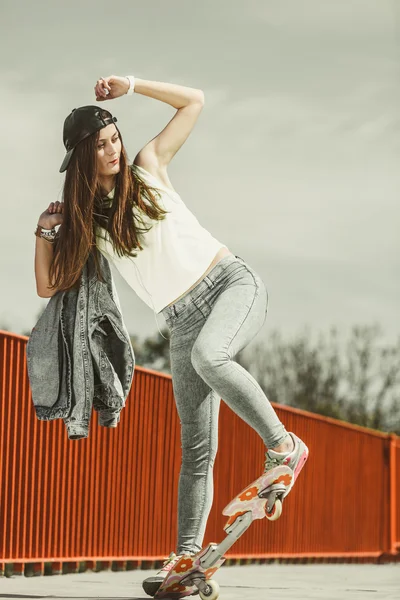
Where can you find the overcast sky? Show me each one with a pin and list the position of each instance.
(293, 163)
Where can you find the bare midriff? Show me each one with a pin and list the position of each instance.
(224, 251)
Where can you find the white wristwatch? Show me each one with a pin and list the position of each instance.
(131, 84)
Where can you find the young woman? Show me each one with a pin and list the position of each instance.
(213, 302)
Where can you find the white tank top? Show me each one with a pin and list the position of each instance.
(176, 250)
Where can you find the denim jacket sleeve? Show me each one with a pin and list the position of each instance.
(49, 362)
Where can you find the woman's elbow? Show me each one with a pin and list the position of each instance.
(45, 294)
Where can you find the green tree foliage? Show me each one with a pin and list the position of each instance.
(153, 352)
(356, 381)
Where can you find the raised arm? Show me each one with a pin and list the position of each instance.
(159, 151)
(189, 103)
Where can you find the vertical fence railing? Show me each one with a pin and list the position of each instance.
(113, 496)
(395, 499)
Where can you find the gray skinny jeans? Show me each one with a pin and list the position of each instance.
(208, 327)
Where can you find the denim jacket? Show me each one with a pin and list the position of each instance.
(79, 355)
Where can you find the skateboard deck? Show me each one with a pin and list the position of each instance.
(249, 500)
(173, 587)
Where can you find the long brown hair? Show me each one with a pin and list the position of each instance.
(86, 209)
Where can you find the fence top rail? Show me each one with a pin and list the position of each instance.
(337, 422)
(9, 334)
(289, 409)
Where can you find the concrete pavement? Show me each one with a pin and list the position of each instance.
(247, 582)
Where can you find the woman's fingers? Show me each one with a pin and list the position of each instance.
(106, 84)
(99, 95)
(55, 206)
(102, 85)
(99, 91)
(102, 89)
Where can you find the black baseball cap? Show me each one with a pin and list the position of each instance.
(81, 123)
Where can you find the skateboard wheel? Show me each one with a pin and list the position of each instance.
(276, 511)
(211, 592)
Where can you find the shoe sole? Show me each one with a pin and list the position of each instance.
(151, 588)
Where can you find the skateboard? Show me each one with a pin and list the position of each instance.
(262, 498)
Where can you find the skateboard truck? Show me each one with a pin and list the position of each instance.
(206, 589)
(274, 498)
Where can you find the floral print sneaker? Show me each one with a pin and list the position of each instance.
(295, 459)
(151, 584)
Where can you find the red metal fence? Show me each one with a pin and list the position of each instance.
(112, 496)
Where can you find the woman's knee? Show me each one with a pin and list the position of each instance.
(204, 358)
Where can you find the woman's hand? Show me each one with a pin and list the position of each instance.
(52, 216)
(108, 88)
